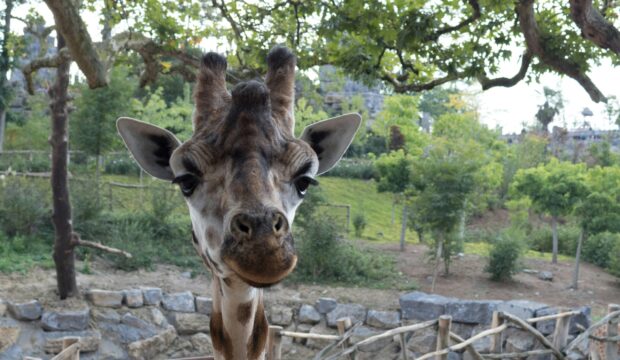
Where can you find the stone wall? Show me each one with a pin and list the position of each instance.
(147, 323)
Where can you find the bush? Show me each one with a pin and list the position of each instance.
(504, 255)
(122, 166)
(359, 224)
(24, 208)
(614, 259)
(541, 239)
(598, 249)
(24, 163)
(325, 257)
(354, 169)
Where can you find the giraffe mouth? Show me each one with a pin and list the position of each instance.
(258, 264)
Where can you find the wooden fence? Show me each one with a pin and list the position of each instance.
(447, 341)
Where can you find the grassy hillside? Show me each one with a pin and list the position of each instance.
(364, 199)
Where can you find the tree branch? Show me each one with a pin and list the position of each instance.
(46, 62)
(594, 26)
(475, 16)
(487, 83)
(535, 44)
(77, 241)
(71, 26)
(399, 87)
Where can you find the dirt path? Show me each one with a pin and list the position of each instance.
(468, 281)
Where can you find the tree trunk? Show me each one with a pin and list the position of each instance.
(575, 284)
(437, 259)
(403, 229)
(554, 228)
(2, 126)
(64, 256)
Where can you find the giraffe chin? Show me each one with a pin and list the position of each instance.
(258, 280)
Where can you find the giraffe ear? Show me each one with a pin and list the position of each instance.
(330, 138)
(150, 145)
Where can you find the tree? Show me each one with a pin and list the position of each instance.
(550, 108)
(401, 111)
(93, 129)
(442, 180)
(414, 46)
(555, 189)
(394, 170)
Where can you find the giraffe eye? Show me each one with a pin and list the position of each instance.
(187, 183)
(302, 183)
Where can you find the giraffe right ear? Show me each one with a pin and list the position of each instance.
(150, 145)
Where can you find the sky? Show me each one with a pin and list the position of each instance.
(507, 108)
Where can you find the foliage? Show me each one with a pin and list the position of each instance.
(540, 239)
(93, 128)
(357, 168)
(529, 152)
(552, 106)
(24, 209)
(124, 165)
(31, 131)
(306, 114)
(598, 249)
(394, 171)
(359, 224)
(614, 259)
(505, 254)
(176, 118)
(400, 111)
(21, 253)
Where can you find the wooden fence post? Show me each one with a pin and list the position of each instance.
(343, 324)
(110, 196)
(496, 339)
(611, 347)
(560, 335)
(274, 343)
(443, 335)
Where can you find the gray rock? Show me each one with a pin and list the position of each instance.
(518, 341)
(108, 315)
(204, 305)
(158, 318)
(523, 309)
(65, 320)
(105, 298)
(362, 332)
(181, 302)
(89, 340)
(325, 305)
(109, 350)
(308, 315)
(472, 311)
(545, 275)
(548, 326)
(3, 307)
(201, 343)
(383, 319)
(356, 312)
(421, 306)
(462, 330)
(133, 298)
(9, 333)
(582, 319)
(29, 310)
(423, 341)
(186, 275)
(130, 329)
(152, 296)
(149, 348)
(190, 323)
(281, 315)
(134, 321)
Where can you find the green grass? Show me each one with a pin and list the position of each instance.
(364, 199)
(483, 249)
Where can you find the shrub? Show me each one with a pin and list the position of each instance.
(597, 249)
(23, 207)
(504, 255)
(354, 169)
(614, 259)
(359, 224)
(122, 166)
(541, 239)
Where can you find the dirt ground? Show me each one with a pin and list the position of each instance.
(467, 281)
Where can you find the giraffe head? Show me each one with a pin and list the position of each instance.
(243, 173)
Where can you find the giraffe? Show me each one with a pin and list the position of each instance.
(597, 348)
(243, 174)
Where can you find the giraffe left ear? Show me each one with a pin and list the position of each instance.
(331, 138)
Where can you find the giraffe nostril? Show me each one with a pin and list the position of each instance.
(279, 224)
(241, 225)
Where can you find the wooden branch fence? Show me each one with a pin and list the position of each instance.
(447, 341)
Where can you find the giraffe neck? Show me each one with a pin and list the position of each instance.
(238, 322)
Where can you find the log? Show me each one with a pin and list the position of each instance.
(274, 343)
(472, 350)
(519, 355)
(590, 330)
(466, 343)
(496, 340)
(443, 335)
(560, 335)
(343, 324)
(540, 337)
(309, 336)
(553, 317)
